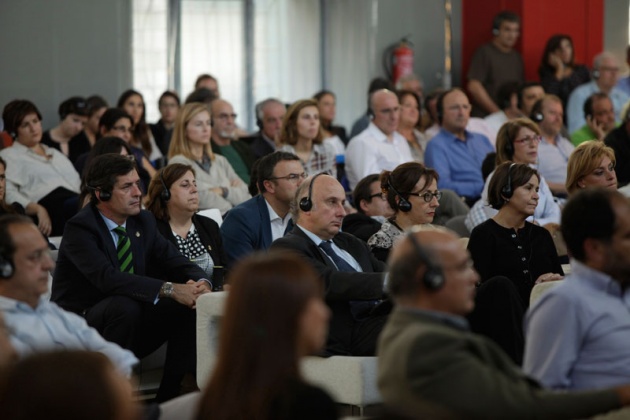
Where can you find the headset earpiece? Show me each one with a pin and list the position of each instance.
(595, 74)
(433, 278)
(306, 203)
(404, 205)
(506, 191)
(165, 195)
(104, 195)
(6, 268)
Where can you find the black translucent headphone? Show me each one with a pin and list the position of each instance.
(104, 194)
(404, 205)
(506, 191)
(165, 195)
(537, 115)
(306, 203)
(433, 278)
(6, 268)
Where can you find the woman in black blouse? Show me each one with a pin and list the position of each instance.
(559, 74)
(173, 199)
(511, 255)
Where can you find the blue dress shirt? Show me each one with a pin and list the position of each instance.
(458, 162)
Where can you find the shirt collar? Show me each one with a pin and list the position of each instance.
(272, 213)
(9, 305)
(111, 225)
(316, 239)
(594, 279)
(453, 137)
(377, 134)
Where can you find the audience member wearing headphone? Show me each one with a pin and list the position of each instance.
(73, 115)
(219, 186)
(269, 115)
(41, 179)
(510, 246)
(604, 79)
(173, 198)
(518, 142)
(302, 135)
(411, 191)
(558, 72)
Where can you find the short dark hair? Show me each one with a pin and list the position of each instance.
(504, 16)
(522, 88)
(94, 103)
(319, 95)
(104, 170)
(440, 102)
(202, 96)
(590, 101)
(7, 245)
(589, 213)
(406, 92)
(266, 165)
(519, 174)
(505, 93)
(75, 105)
(203, 77)
(110, 118)
(404, 178)
(169, 94)
(14, 113)
(362, 191)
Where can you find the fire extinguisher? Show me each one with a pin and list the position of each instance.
(398, 59)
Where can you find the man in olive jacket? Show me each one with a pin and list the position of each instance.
(431, 364)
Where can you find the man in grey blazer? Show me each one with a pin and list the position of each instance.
(431, 364)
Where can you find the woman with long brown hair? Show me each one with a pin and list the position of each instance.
(274, 315)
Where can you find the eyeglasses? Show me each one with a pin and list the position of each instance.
(529, 139)
(122, 129)
(291, 177)
(379, 195)
(426, 196)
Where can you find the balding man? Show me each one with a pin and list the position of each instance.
(379, 147)
(605, 71)
(353, 280)
(429, 361)
(454, 152)
(224, 134)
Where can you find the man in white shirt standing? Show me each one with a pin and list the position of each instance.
(379, 147)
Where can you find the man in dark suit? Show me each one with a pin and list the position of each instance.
(111, 269)
(372, 209)
(256, 223)
(269, 116)
(353, 279)
(429, 361)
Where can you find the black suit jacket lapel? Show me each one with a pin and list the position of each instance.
(342, 242)
(314, 249)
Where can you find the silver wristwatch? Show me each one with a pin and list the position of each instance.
(167, 289)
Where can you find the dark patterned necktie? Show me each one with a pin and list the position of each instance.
(342, 265)
(123, 249)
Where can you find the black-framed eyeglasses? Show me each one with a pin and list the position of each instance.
(426, 196)
(379, 195)
(291, 177)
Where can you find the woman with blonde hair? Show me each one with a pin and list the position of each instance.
(219, 186)
(302, 135)
(591, 164)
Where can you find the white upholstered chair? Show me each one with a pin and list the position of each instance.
(348, 380)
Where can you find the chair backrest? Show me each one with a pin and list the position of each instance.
(209, 313)
(214, 214)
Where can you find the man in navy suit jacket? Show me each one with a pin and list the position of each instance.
(257, 222)
(136, 309)
(353, 286)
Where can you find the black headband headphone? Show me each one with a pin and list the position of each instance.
(404, 205)
(537, 114)
(506, 191)
(433, 278)
(165, 195)
(6, 267)
(306, 203)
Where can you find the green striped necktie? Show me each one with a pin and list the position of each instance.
(123, 249)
